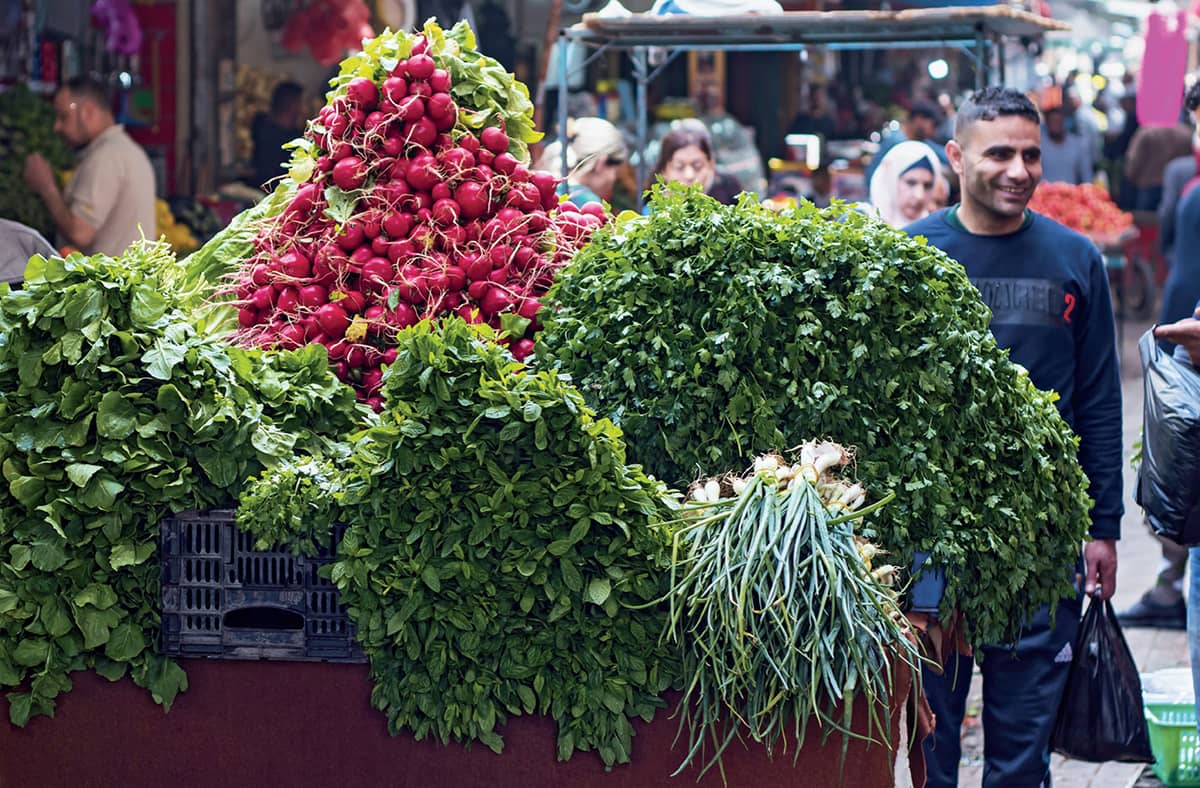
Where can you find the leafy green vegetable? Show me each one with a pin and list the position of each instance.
(496, 542)
(115, 413)
(711, 333)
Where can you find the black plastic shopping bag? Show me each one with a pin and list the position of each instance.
(1168, 483)
(1101, 717)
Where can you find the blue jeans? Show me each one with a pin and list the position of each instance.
(1021, 694)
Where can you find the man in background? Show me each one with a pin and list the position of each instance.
(1065, 157)
(1149, 151)
(109, 202)
(274, 129)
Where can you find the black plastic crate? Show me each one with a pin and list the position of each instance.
(222, 598)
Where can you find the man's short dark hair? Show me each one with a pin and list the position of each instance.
(991, 103)
(285, 96)
(1192, 99)
(85, 86)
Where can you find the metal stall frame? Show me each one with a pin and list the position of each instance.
(979, 32)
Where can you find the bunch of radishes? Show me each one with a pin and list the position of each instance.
(406, 213)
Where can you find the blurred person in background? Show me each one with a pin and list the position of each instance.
(1177, 174)
(271, 130)
(1065, 156)
(924, 121)
(820, 192)
(109, 202)
(903, 186)
(685, 155)
(18, 243)
(1150, 148)
(596, 154)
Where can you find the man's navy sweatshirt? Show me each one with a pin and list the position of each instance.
(1047, 288)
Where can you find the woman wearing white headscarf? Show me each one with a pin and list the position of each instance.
(903, 184)
(595, 154)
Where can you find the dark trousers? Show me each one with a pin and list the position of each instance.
(1021, 693)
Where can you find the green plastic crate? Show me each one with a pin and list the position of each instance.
(1175, 743)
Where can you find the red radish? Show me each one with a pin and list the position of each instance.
(371, 380)
(247, 316)
(520, 174)
(477, 267)
(338, 125)
(370, 223)
(377, 273)
(422, 131)
(374, 403)
(312, 296)
(360, 255)
(400, 250)
(332, 320)
(421, 237)
(324, 164)
(380, 245)
(453, 300)
(469, 142)
(352, 301)
(395, 89)
(342, 370)
(349, 173)
(478, 289)
(422, 201)
(546, 183)
(524, 256)
(356, 356)
(505, 163)
(397, 225)
(441, 191)
(260, 275)
(494, 139)
(296, 265)
(287, 300)
(420, 88)
(500, 255)
(445, 212)
(263, 298)
(439, 80)
(456, 278)
(472, 199)
(362, 93)
(337, 348)
(566, 206)
(495, 301)
(443, 141)
(457, 160)
(529, 308)
(393, 144)
(452, 238)
(291, 336)
(340, 150)
(305, 199)
(485, 157)
(411, 108)
(423, 172)
(594, 209)
(420, 46)
(521, 349)
(441, 105)
(420, 66)
(375, 121)
(425, 215)
(537, 221)
(402, 316)
(500, 275)
(389, 356)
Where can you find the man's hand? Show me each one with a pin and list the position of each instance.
(1186, 332)
(1100, 560)
(39, 175)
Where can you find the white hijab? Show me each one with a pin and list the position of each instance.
(886, 178)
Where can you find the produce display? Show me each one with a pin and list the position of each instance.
(780, 614)
(713, 333)
(177, 235)
(415, 200)
(500, 557)
(1085, 208)
(116, 413)
(327, 28)
(27, 126)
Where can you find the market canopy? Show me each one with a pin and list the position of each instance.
(816, 28)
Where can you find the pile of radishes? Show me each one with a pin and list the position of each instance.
(407, 214)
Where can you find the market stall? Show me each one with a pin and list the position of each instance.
(983, 32)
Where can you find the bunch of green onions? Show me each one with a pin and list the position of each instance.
(780, 615)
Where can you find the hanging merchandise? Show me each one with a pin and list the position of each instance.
(327, 28)
(1160, 80)
(122, 33)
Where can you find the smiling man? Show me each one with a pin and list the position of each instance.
(1048, 291)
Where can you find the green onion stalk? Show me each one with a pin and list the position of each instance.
(778, 611)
